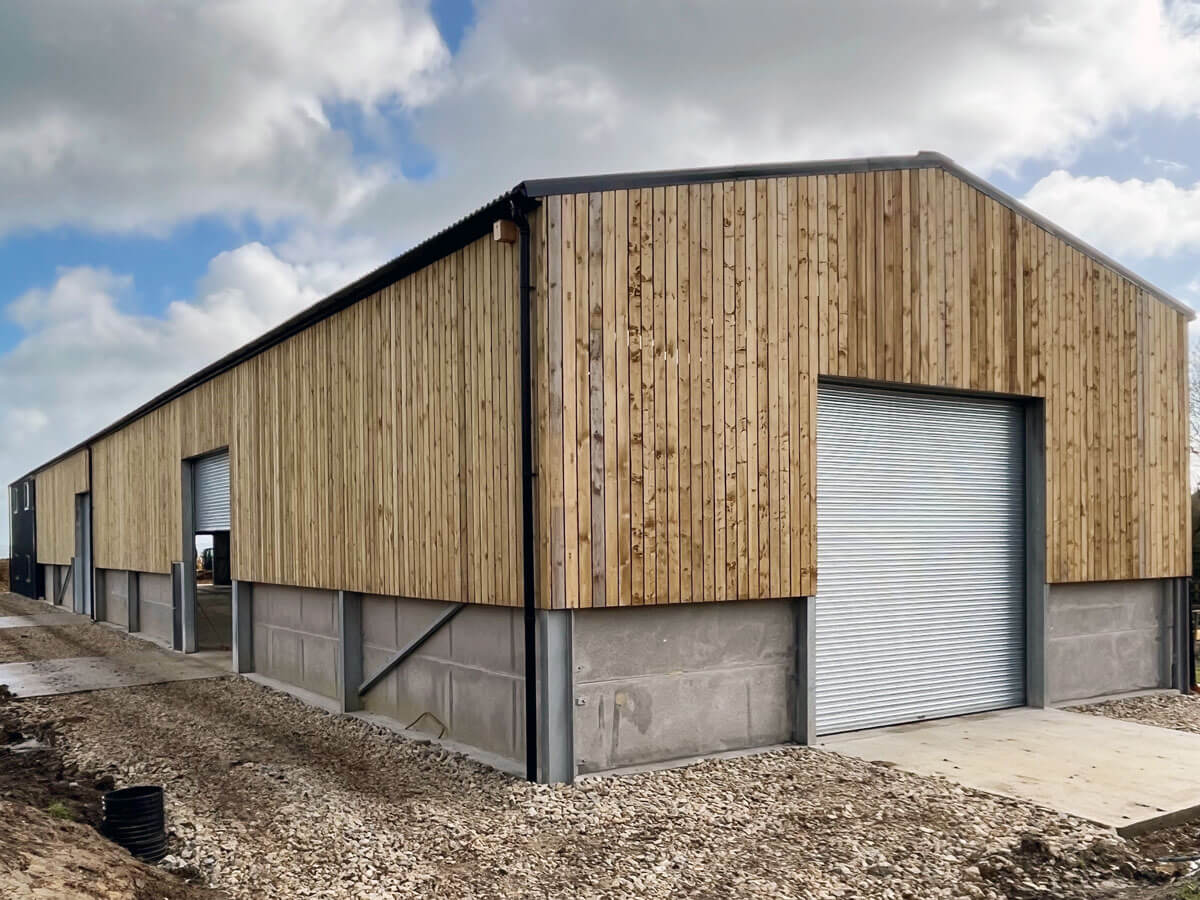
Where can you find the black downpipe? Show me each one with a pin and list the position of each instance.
(527, 475)
(91, 574)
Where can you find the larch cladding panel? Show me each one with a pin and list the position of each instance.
(57, 486)
(377, 450)
(680, 331)
(137, 513)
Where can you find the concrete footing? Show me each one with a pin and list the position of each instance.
(622, 688)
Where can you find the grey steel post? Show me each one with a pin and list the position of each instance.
(1036, 590)
(804, 715)
(243, 627)
(134, 618)
(100, 602)
(1178, 591)
(350, 645)
(187, 573)
(556, 696)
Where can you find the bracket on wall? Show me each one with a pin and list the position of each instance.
(412, 648)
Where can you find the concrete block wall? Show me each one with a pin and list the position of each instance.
(1107, 638)
(468, 678)
(155, 610)
(114, 586)
(660, 683)
(296, 637)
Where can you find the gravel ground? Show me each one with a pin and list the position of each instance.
(1170, 710)
(271, 798)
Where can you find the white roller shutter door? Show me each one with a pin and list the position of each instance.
(212, 492)
(920, 557)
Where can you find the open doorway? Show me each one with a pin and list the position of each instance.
(214, 592)
(205, 620)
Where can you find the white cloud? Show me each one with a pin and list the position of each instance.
(132, 116)
(87, 358)
(128, 116)
(1131, 219)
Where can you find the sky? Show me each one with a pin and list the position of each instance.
(178, 177)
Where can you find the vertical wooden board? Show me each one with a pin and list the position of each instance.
(649, 354)
(583, 398)
(571, 490)
(712, 513)
(923, 276)
(636, 452)
(826, 297)
(670, 486)
(683, 355)
(789, 268)
(843, 274)
(771, 372)
(890, 305)
(661, 552)
(812, 304)
(759, 460)
(621, 338)
(698, 352)
(732, 219)
(906, 293)
(871, 242)
(593, 588)
(611, 435)
(748, 393)
(743, 293)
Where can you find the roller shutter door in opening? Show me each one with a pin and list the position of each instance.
(920, 557)
(212, 492)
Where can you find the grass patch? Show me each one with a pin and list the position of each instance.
(60, 811)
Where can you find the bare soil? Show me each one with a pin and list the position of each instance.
(49, 813)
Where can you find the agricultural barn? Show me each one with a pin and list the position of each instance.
(625, 469)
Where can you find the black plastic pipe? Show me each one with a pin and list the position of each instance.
(527, 475)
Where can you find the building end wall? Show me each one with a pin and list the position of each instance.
(1107, 638)
(654, 684)
(466, 682)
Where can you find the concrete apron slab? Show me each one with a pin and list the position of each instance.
(46, 677)
(53, 618)
(1118, 774)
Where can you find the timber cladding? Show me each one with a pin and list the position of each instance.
(136, 507)
(679, 334)
(683, 329)
(377, 450)
(57, 486)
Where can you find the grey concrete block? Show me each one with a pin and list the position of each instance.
(663, 717)
(625, 643)
(662, 683)
(465, 676)
(379, 620)
(483, 710)
(1106, 638)
(115, 584)
(318, 612)
(490, 637)
(155, 613)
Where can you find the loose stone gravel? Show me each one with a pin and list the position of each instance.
(268, 798)
(1170, 710)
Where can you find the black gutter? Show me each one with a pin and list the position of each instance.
(528, 473)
